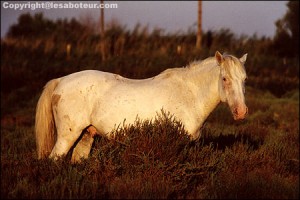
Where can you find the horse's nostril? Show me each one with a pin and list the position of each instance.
(235, 111)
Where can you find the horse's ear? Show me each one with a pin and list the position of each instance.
(219, 57)
(243, 58)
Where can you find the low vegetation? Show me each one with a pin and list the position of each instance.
(256, 158)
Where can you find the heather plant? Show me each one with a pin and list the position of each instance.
(156, 159)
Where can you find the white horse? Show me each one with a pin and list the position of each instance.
(102, 101)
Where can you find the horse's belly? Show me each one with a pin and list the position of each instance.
(118, 109)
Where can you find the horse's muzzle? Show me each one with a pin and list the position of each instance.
(240, 112)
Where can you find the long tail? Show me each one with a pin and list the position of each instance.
(44, 121)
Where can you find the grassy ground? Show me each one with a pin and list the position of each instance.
(254, 158)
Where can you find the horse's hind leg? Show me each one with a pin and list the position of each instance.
(83, 148)
(66, 137)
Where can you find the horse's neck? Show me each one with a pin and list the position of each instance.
(205, 79)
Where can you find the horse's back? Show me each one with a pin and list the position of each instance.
(86, 77)
(87, 82)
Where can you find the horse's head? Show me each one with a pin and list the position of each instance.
(231, 83)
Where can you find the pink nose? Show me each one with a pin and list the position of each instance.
(240, 112)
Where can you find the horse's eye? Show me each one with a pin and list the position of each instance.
(224, 79)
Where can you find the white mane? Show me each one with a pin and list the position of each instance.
(206, 65)
(201, 63)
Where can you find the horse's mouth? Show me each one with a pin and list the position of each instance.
(238, 117)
